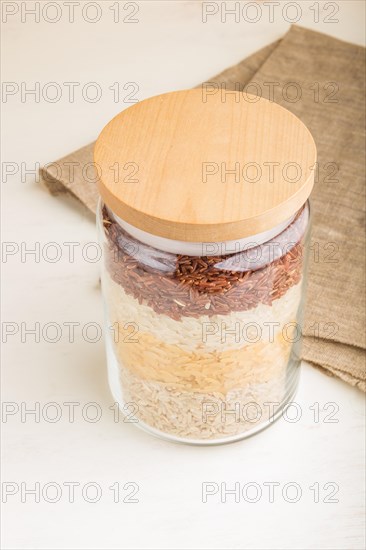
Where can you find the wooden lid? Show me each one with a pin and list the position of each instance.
(185, 168)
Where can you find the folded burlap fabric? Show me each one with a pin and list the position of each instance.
(321, 80)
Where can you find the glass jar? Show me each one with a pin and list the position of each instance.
(202, 336)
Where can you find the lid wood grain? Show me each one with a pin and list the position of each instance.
(185, 168)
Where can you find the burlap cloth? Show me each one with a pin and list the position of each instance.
(330, 76)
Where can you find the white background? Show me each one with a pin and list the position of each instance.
(168, 49)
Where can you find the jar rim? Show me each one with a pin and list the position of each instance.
(208, 248)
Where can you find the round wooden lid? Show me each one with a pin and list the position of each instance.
(194, 168)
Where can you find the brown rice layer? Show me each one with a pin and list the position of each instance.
(202, 334)
(179, 285)
(202, 415)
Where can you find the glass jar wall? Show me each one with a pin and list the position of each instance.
(203, 349)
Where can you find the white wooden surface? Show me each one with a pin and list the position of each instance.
(170, 48)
